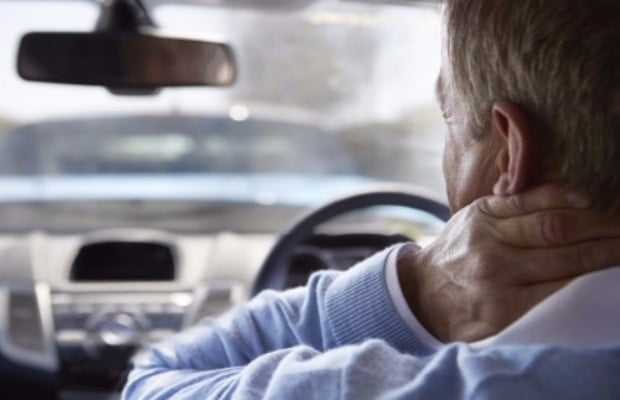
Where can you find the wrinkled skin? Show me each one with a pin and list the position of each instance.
(500, 256)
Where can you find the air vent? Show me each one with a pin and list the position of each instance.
(25, 329)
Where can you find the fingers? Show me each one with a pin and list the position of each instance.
(555, 228)
(542, 197)
(537, 292)
(568, 262)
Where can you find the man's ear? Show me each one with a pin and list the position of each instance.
(518, 160)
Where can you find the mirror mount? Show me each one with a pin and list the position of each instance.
(124, 16)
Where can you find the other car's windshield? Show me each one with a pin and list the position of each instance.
(329, 97)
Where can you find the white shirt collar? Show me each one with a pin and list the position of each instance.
(584, 313)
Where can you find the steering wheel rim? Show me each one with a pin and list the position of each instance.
(273, 272)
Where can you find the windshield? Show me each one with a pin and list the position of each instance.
(330, 97)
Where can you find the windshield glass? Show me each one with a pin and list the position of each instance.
(330, 97)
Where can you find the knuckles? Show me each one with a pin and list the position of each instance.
(587, 257)
(491, 207)
(552, 228)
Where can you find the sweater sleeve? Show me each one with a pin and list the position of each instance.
(373, 370)
(333, 310)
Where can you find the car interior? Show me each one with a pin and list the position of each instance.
(163, 161)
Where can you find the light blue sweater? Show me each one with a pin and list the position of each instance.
(341, 338)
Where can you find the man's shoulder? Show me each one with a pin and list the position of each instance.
(583, 314)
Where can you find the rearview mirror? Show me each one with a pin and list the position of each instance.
(124, 61)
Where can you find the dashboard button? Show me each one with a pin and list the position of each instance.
(84, 308)
(62, 309)
(181, 299)
(120, 330)
(152, 308)
(70, 338)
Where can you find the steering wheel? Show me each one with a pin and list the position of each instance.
(274, 271)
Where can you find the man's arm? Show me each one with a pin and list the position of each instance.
(374, 370)
(334, 310)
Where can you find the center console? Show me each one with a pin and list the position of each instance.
(96, 334)
(99, 299)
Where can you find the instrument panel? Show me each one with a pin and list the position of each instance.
(80, 306)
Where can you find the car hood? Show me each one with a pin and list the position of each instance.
(268, 189)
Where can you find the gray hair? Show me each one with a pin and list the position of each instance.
(558, 60)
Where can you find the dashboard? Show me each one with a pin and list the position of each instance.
(77, 307)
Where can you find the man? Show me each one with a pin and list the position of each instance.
(530, 91)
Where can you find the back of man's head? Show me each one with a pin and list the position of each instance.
(559, 61)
